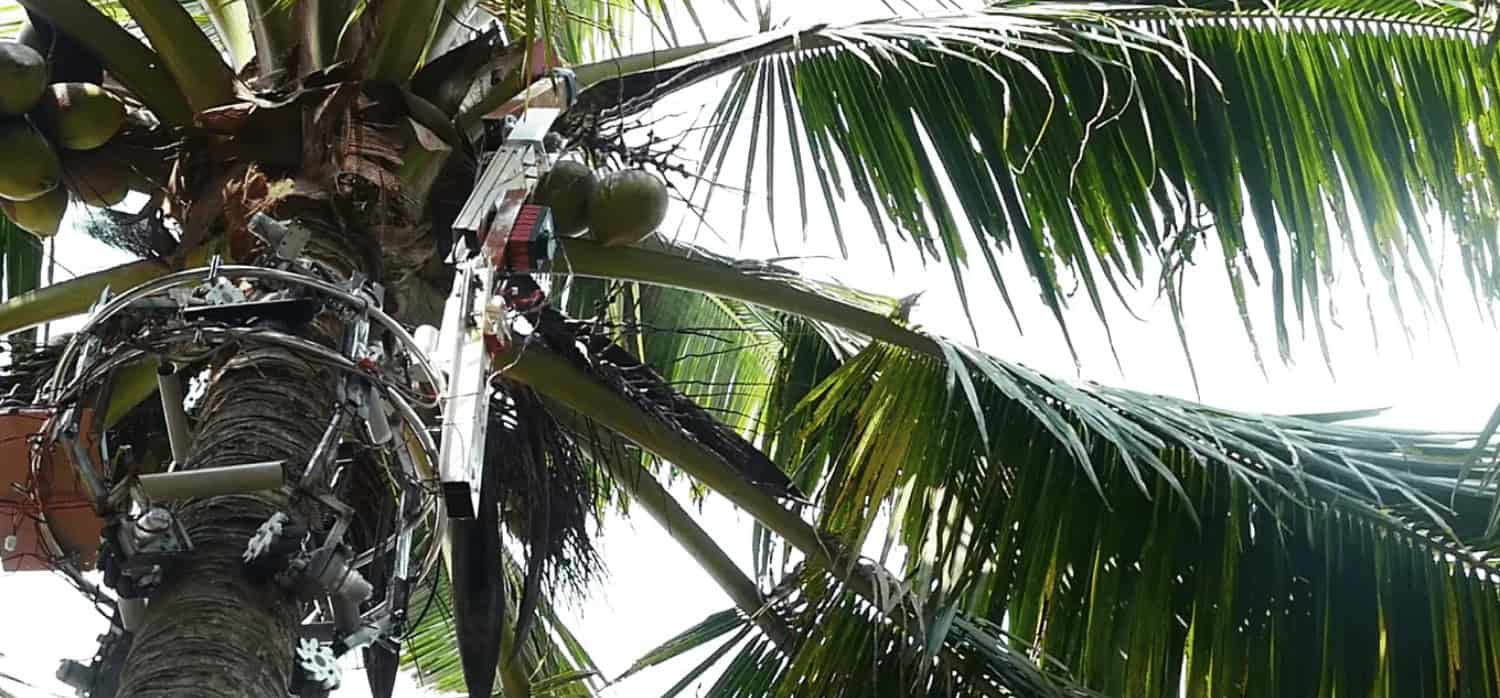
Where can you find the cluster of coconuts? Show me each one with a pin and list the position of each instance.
(46, 132)
(618, 208)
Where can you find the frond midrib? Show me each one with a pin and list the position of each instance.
(1321, 22)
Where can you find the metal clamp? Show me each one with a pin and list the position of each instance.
(136, 550)
(286, 241)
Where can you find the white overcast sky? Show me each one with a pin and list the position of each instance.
(654, 590)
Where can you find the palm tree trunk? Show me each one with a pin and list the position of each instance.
(209, 631)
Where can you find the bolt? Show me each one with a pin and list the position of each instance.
(156, 520)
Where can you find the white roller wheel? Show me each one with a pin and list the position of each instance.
(264, 537)
(318, 663)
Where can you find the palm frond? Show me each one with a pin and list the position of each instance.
(1099, 524)
(12, 18)
(551, 655)
(712, 628)
(970, 465)
(547, 497)
(845, 650)
(230, 24)
(192, 59)
(1145, 541)
(1105, 143)
(589, 348)
(584, 30)
(640, 484)
(21, 258)
(745, 364)
(129, 60)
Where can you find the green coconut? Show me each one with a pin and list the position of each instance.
(96, 180)
(28, 165)
(23, 76)
(67, 60)
(41, 216)
(80, 115)
(566, 189)
(30, 36)
(627, 207)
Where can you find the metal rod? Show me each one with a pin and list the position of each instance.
(131, 612)
(377, 422)
(179, 435)
(84, 465)
(213, 482)
(323, 453)
(428, 455)
(401, 540)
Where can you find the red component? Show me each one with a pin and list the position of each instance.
(494, 344)
(526, 245)
(504, 214)
(53, 501)
(523, 303)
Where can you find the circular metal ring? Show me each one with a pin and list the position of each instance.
(355, 301)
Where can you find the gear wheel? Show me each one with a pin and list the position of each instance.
(264, 537)
(278, 541)
(318, 665)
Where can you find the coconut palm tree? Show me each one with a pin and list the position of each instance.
(931, 519)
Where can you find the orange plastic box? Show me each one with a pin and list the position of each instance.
(61, 500)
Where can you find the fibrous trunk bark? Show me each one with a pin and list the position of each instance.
(209, 631)
(333, 165)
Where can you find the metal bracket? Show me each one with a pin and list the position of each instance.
(508, 179)
(328, 572)
(465, 405)
(288, 313)
(569, 79)
(136, 550)
(286, 241)
(325, 451)
(377, 623)
(67, 432)
(99, 678)
(221, 292)
(533, 126)
(278, 550)
(367, 403)
(84, 344)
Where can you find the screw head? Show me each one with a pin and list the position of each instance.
(155, 520)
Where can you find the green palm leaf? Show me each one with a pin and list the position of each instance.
(552, 657)
(583, 30)
(1099, 524)
(21, 255)
(1108, 143)
(1143, 541)
(845, 651)
(745, 364)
